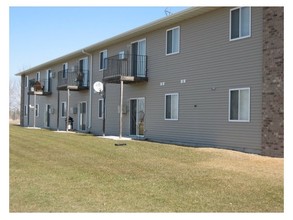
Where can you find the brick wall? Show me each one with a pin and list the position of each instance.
(273, 82)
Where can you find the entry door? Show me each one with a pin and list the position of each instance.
(137, 116)
(138, 50)
(82, 116)
(47, 116)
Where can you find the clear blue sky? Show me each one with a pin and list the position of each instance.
(39, 34)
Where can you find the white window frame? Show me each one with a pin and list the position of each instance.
(138, 98)
(230, 24)
(165, 107)
(99, 102)
(229, 110)
(121, 55)
(37, 111)
(65, 109)
(105, 55)
(179, 33)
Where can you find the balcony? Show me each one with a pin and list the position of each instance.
(43, 87)
(73, 80)
(128, 68)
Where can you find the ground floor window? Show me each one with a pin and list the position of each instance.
(171, 106)
(239, 105)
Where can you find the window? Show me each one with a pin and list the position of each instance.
(37, 110)
(25, 110)
(103, 56)
(101, 109)
(239, 105)
(63, 109)
(171, 106)
(240, 23)
(121, 55)
(172, 40)
(38, 76)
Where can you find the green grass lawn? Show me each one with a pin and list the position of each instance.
(63, 172)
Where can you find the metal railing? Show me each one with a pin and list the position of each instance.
(125, 65)
(78, 78)
(44, 85)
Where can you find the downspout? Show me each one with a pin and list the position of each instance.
(90, 85)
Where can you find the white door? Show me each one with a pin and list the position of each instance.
(47, 116)
(139, 58)
(137, 116)
(82, 116)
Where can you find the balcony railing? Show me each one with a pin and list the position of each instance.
(43, 87)
(77, 79)
(126, 67)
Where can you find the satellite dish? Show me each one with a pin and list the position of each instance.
(98, 86)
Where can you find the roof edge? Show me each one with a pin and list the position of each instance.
(154, 25)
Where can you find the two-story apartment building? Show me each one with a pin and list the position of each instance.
(205, 76)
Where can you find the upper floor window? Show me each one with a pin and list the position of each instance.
(240, 23)
(239, 105)
(171, 106)
(172, 40)
(121, 55)
(103, 56)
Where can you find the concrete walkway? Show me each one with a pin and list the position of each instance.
(116, 138)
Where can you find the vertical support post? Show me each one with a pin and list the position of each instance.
(121, 104)
(67, 109)
(104, 110)
(35, 109)
(28, 109)
(58, 109)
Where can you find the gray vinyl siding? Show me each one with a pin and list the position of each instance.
(207, 59)
(75, 98)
